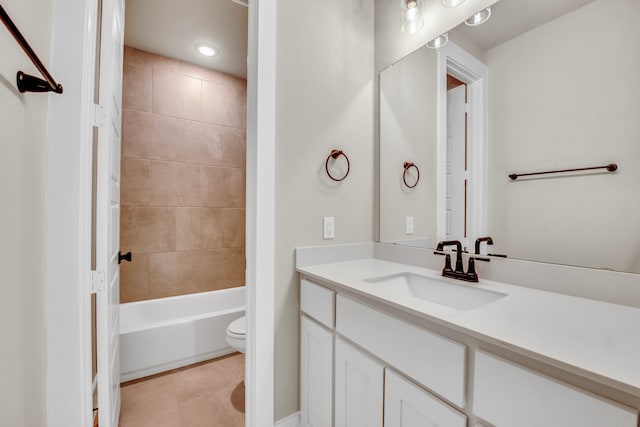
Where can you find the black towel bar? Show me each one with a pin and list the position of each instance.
(611, 167)
(26, 82)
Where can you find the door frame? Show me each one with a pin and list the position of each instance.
(69, 171)
(453, 60)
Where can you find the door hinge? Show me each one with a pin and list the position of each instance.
(97, 281)
(99, 115)
(467, 107)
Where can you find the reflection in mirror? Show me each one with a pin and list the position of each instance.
(562, 93)
(407, 104)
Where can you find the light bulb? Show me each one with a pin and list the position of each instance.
(452, 3)
(411, 17)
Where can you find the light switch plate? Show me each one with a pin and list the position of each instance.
(328, 227)
(409, 225)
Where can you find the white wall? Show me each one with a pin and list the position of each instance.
(23, 120)
(324, 101)
(408, 126)
(560, 96)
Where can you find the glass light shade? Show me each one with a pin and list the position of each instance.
(452, 3)
(479, 18)
(439, 41)
(205, 50)
(412, 21)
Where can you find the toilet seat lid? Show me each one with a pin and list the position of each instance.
(238, 326)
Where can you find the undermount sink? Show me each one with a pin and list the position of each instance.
(444, 292)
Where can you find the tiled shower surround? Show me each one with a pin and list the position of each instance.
(183, 178)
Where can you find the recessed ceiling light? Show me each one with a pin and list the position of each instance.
(479, 18)
(206, 50)
(438, 42)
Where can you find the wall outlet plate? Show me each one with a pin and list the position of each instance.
(328, 227)
(409, 225)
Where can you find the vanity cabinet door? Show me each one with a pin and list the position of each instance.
(316, 374)
(506, 394)
(407, 405)
(358, 388)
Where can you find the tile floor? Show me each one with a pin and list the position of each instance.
(209, 394)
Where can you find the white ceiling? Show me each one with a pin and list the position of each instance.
(173, 28)
(510, 18)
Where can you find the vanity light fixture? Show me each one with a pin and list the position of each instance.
(412, 21)
(479, 18)
(439, 41)
(206, 50)
(452, 3)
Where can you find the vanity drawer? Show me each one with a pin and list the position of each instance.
(436, 362)
(317, 302)
(506, 394)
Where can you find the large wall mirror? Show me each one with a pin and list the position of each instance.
(542, 85)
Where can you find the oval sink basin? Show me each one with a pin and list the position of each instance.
(444, 292)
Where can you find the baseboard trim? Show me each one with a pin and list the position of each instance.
(292, 420)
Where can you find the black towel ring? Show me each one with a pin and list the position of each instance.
(334, 155)
(407, 166)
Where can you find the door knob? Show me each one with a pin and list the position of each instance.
(126, 257)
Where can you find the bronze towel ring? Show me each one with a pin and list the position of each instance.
(407, 166)
(334, 155)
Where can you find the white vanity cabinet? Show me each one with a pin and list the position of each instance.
(359, 387)
(506, 394)
(407, 405)
(316, 355)
(365, 366)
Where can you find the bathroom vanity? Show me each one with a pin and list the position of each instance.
(391, 344)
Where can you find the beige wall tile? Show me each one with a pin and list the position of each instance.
(147, 229)
(177, 95)
(163, 274)
(134, 182)
(217, 267)
(223, 105)
(174, 184)
(237, 82)
(233, 228)
(150, 136)
(223, 187)
(198, 228)
(182, 242)
(234, 147)
(158, 137)
(134, 278)
(200, 143)
(235, 279)
(136, 86)
(202, 73)
(133, 55)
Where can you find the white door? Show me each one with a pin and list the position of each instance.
(108, 119)
(455, 170)
(359, 387)
(407, 405)
(316, 374)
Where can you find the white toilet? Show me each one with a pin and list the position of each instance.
(236, 334)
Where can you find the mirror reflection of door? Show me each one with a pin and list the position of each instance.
(456, 163)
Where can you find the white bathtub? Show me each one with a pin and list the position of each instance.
(167, 333)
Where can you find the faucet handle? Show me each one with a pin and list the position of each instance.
(447, 264)
(471, 274)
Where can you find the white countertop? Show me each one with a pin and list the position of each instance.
(597, 340)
